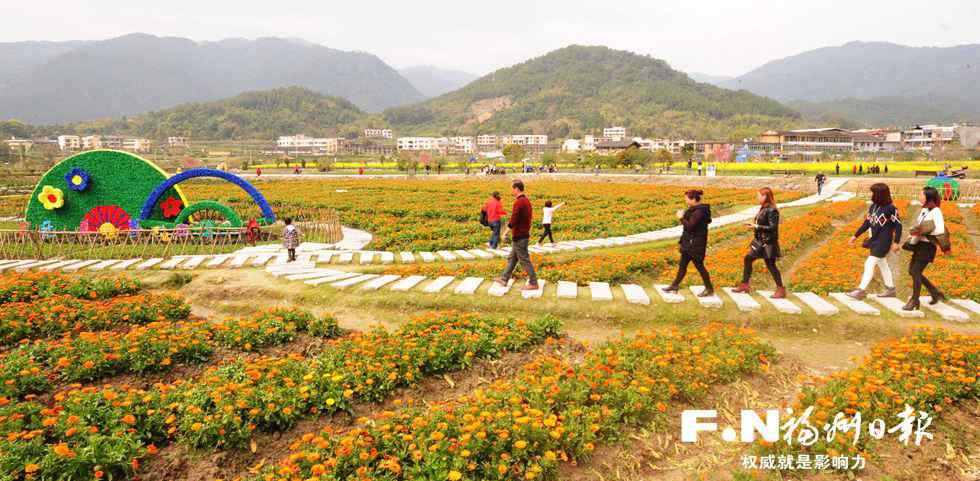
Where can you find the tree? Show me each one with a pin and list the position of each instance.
(634, 156)
(513, 152)
(663, 156)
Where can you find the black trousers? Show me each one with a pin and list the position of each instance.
(292, 254)
(698, 264)
(916, 268)
(546, 233)
(770, 264)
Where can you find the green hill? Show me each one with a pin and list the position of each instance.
(580, 89)
(251, 115)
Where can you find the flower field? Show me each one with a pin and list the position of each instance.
(926, 369)
(428, 215)
(553, 412)
(86, 431)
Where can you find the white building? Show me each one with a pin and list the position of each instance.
(614, 133)
(463, 145)
(417, 143)
(925, 137)
(17, 144)
(303, 144)
(134, 144)
(177, 142)
(524, 139)
(486, 142)
(90, 142)
(590, 141)
(69, 142)
(382, 133)
(571, 145)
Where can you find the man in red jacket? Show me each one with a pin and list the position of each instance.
(520, 228)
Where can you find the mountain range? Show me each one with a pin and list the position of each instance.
(50, 82)
(873, 82)
(433, 81)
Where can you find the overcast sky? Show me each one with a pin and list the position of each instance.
(725, 37)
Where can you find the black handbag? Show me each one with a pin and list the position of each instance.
(866, 243)
(908, 246)
(483, 219)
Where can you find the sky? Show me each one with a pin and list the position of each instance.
(720, 37)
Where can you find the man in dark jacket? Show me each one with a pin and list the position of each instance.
(520, 228)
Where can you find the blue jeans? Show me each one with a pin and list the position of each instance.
(494, 234)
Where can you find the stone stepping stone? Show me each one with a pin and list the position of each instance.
(261, 259)
(438, 284)
(499, 252)
(345, 258)
(817, 303)
(635, 294)
(79, 265)
(567, 290)
(600, 291)
(482, 254)
(468, 286)
(447, 256)
(535, 294)
(387, 257)
(464, 255)
(785, 306)
(535, 249)
(407, 283)
(103, 264)
(195, 261)
(427, 256)
(408, 257)
(238, 261)
(149, 263)
(668, 297)
(289, 268)
(324, 257)
(18, 264)
(380, 282)
(57, 265)
(855, 305)
(277, 260)
(895, 304)
(713, 301)
(33, 264)
(8, 262)
(124, 264)
(497, 290)
(331, 278)
(172, 263)
(353, 280)
(743, 301)
(217, 260)
(968, 304)
(944, 310)
(313, 274)
(367, 257)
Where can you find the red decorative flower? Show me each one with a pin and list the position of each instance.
(105, 214)
(171, 207)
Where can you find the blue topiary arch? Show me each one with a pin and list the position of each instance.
(158, 192)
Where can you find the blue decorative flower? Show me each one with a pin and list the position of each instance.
(77, 179)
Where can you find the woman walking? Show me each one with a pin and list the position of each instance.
(765, 244)
(924, 235)
(494, 212)
(886, 234)
(546, 219)
(694, 242)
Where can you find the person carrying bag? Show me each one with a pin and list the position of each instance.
(926, 235)
(765, 244)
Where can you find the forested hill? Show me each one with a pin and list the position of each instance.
(251, 115)
(580, 89)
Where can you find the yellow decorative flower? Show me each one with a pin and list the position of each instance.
(108, 230)
(51, 197)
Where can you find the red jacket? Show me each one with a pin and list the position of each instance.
(494, 210)
(520, 219)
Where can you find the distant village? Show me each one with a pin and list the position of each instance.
(798, 144)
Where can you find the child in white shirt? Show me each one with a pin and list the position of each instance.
(549, 213)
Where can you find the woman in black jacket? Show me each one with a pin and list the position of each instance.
(765, 244)
(886, 235)
(694, 242)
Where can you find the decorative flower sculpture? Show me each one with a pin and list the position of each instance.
(113, 215)
(171, 207)
(108, 230)
(77, 179)
(51, 197)
(46, 227)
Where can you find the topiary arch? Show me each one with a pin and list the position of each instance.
(268, 216)
(209, 205)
